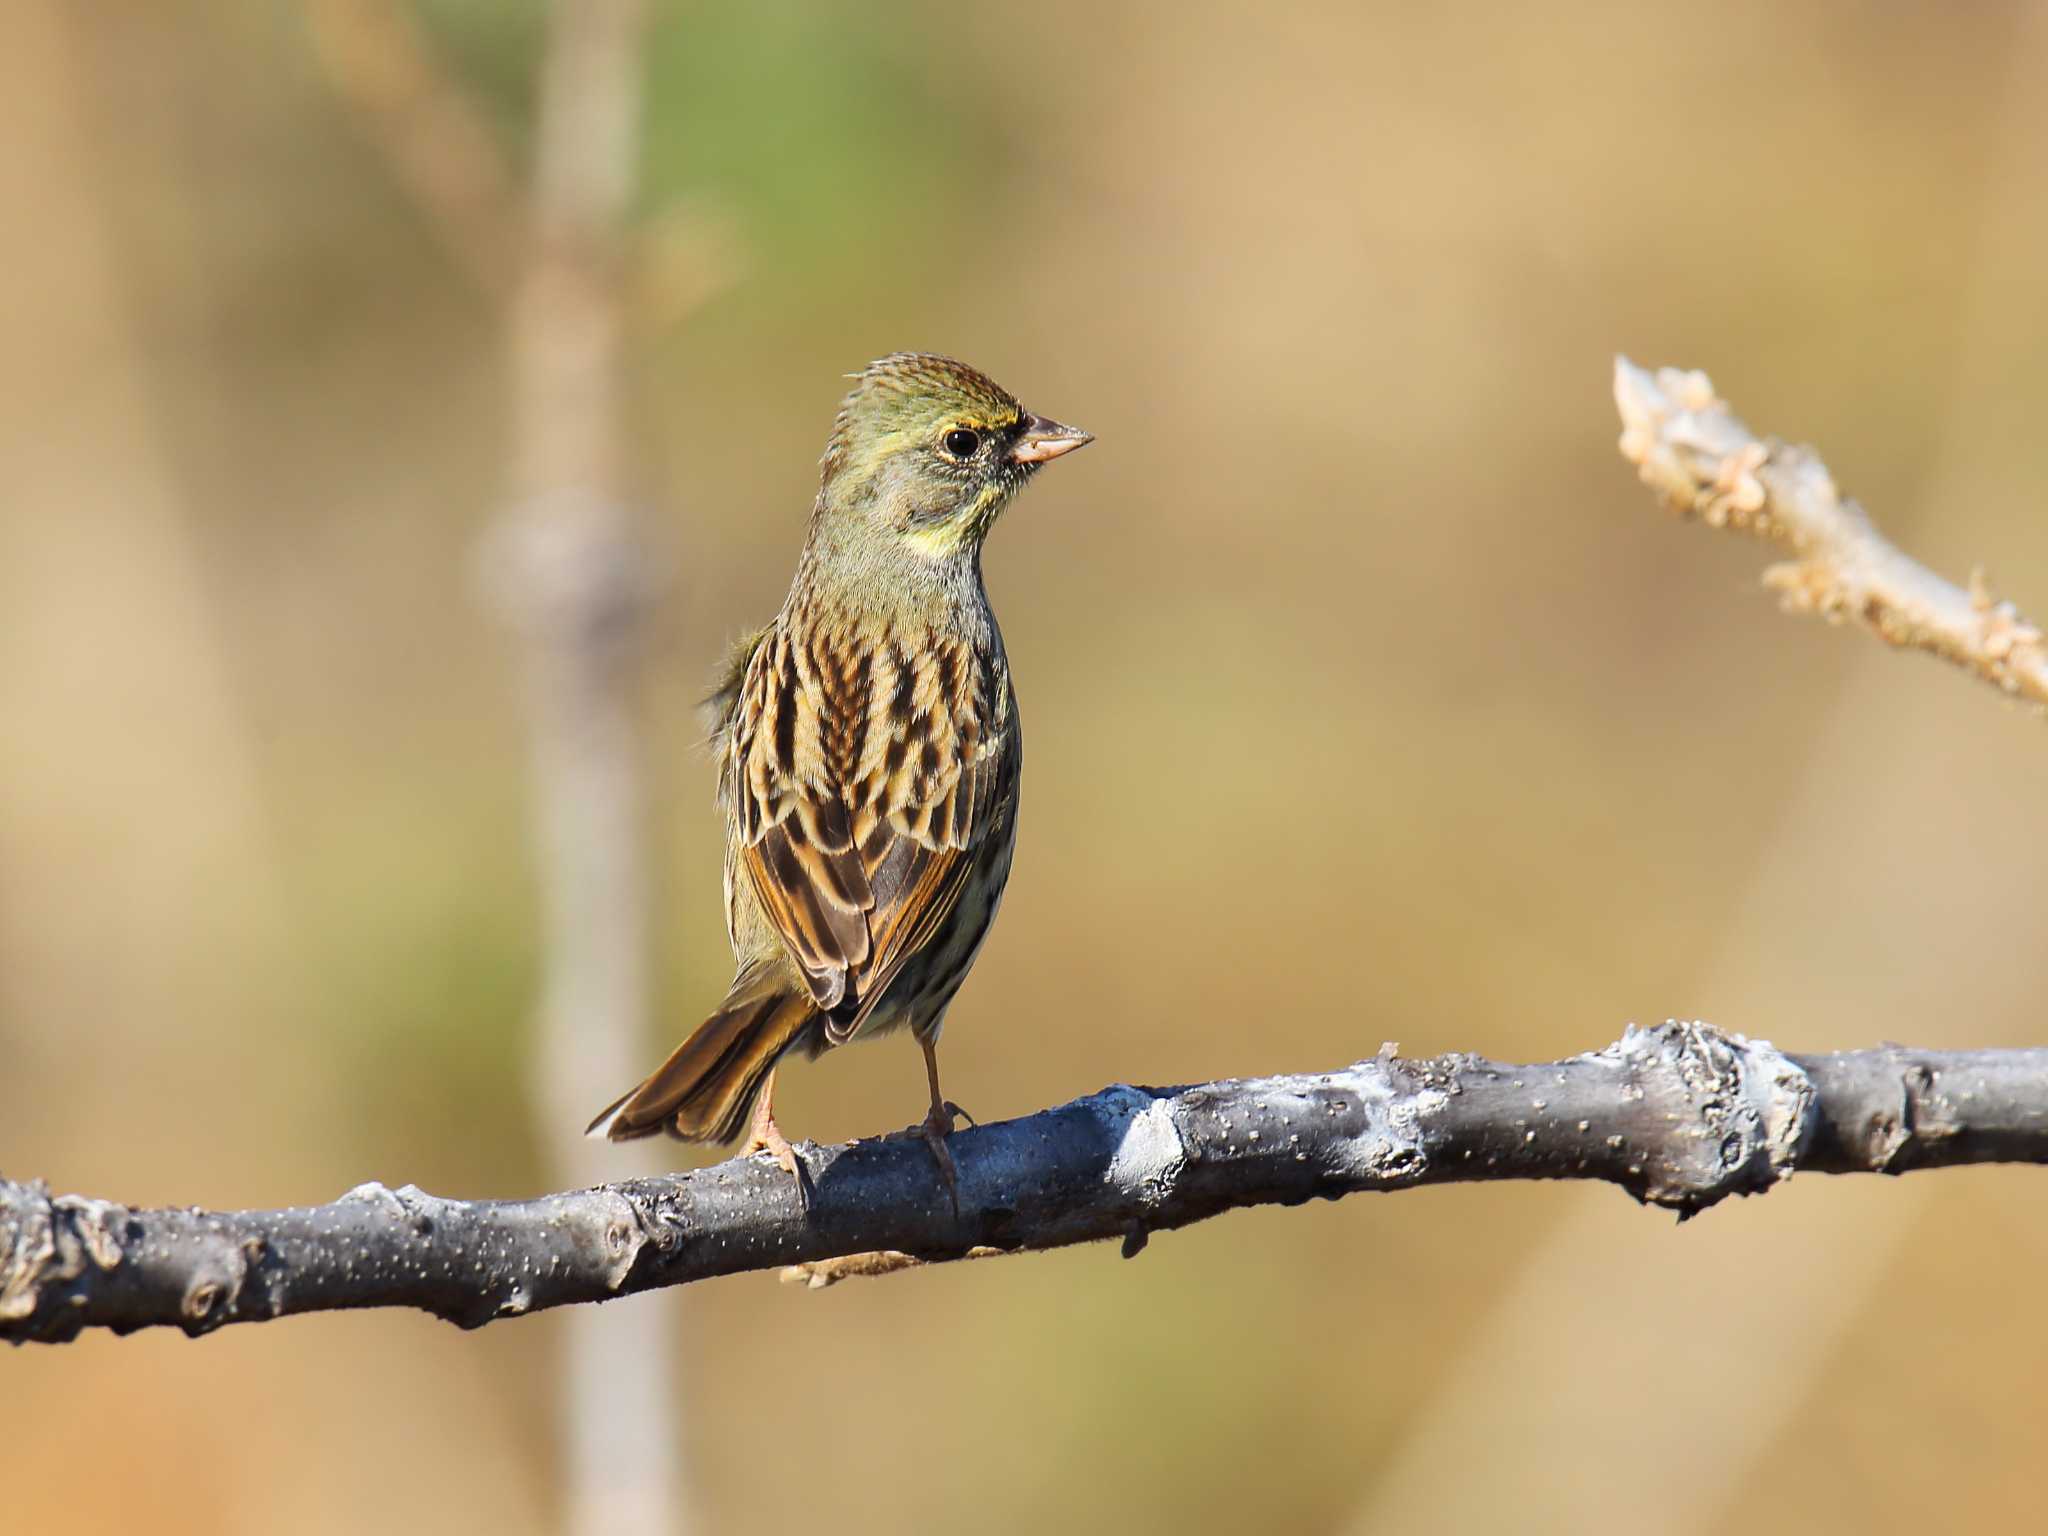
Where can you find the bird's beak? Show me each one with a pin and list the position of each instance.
(1042, 440)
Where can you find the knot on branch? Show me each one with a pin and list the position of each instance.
(1722, 1115)
(482, 1266)
(1333, 1133)
(47, 1246)
(1150, 1151)
(1689, 448)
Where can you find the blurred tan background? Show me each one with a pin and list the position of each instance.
(1338, 288)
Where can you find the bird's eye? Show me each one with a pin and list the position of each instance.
(962, 443)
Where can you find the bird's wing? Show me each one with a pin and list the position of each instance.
(859, 776)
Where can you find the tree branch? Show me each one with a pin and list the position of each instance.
(437, 140)
(1681, 1116)
(1695, 453)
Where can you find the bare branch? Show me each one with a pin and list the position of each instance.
(438, 141)
(1696, 454)
(1681, 1116)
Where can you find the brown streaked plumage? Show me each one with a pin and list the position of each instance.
(869, 756)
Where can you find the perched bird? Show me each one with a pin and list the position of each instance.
(868, 759)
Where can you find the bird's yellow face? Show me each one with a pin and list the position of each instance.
(927, 452)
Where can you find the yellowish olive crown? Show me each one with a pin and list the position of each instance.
(907, 394)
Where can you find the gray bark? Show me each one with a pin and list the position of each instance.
(1681, 1116)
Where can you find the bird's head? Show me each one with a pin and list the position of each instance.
(927, 452)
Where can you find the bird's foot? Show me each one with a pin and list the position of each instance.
(938, 1125)
(942, 1121)
(933, 1131)
(764, 1135)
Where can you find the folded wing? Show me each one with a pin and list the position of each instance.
(860, 774)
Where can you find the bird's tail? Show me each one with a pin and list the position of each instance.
(705, 1091)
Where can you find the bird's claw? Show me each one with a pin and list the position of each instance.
(933, 1130)
(767, 1137)
(938, 1125)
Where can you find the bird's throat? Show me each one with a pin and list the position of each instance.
(899, 582)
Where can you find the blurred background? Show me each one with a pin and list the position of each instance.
(1338, 287)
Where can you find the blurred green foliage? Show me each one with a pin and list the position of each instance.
(823, 130)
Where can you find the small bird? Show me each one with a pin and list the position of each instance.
(869, 758)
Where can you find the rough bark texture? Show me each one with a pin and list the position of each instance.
(1696, 453)
(1681, 1116)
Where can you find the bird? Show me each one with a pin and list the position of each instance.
(869, 760)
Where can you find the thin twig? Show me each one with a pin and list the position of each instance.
(1681, 1116)
(436, 138)
(1695, 453)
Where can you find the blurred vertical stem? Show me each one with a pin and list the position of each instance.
(577, 576)
(568, 566)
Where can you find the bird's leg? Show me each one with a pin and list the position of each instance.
(764, 1135)
(944, 1110)
(938, 1124)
